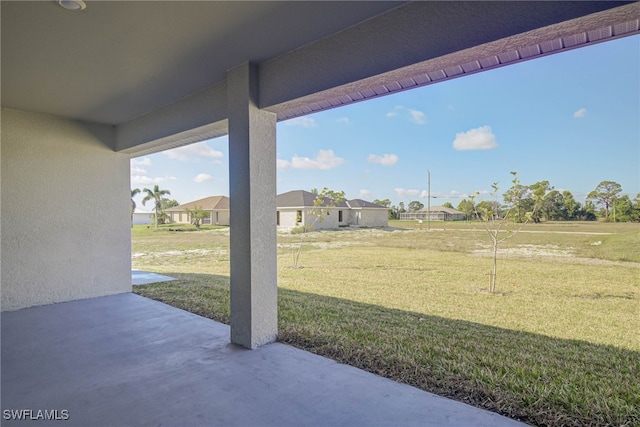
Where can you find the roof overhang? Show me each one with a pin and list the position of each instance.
(157, 70)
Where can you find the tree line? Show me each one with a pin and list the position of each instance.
(540, 200)
(606, 202)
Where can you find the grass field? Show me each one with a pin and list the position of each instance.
(558, 344)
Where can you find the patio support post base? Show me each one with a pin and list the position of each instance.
(252, 192)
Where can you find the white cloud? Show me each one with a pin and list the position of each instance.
(402, 192)
(138, 171)
(142, 179)
(395, 111)
(197, 150)
(146, 180)
(453, 194)
(141, 162)
(414, 116)
(283, 164)
(364, 193)
(343, 120)
(326, 159)
(384, 160)
(580, 113)
(483, 192)
(202, 177)
(305, 122)
(417, 117)
(481, 138)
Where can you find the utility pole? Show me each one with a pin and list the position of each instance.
(428, 200)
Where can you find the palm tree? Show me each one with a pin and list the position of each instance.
(134, 192)
(155, 195)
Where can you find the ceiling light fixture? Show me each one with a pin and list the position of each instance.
(72, 4)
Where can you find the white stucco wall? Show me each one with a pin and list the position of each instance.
(178, 217)
(351, 217)
(371, 217)
(183, 217)
(329, 222)
(223, 218)
(288, 218)
(141, 218)
(65, 211)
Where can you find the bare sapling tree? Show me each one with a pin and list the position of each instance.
(325, 201)
(498, 219)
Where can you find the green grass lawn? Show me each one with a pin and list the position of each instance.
(558, 343)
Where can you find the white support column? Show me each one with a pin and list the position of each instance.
(252, 190)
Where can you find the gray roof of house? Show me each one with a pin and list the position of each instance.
(301, 198)
(213, 203)
(359, 203)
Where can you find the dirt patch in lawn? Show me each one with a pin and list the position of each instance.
(563, 255)
(322, 245)
(175, 253)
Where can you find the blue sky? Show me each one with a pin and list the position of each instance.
(571, 118)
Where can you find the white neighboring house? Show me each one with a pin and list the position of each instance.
(367, 214)
(293, 209)
(141, 217)
(438, 213)
(216, 206)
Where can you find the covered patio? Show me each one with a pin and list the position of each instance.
(125, 360)
(86, 90)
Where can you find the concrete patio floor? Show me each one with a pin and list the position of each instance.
(126, 360)
(140, 277)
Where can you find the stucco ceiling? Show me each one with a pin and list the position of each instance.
(117, 60)
(157, 69)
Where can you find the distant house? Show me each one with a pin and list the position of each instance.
(141, 217)
(216, 206)
(293, 209)
(438, 213)
(367, 214)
